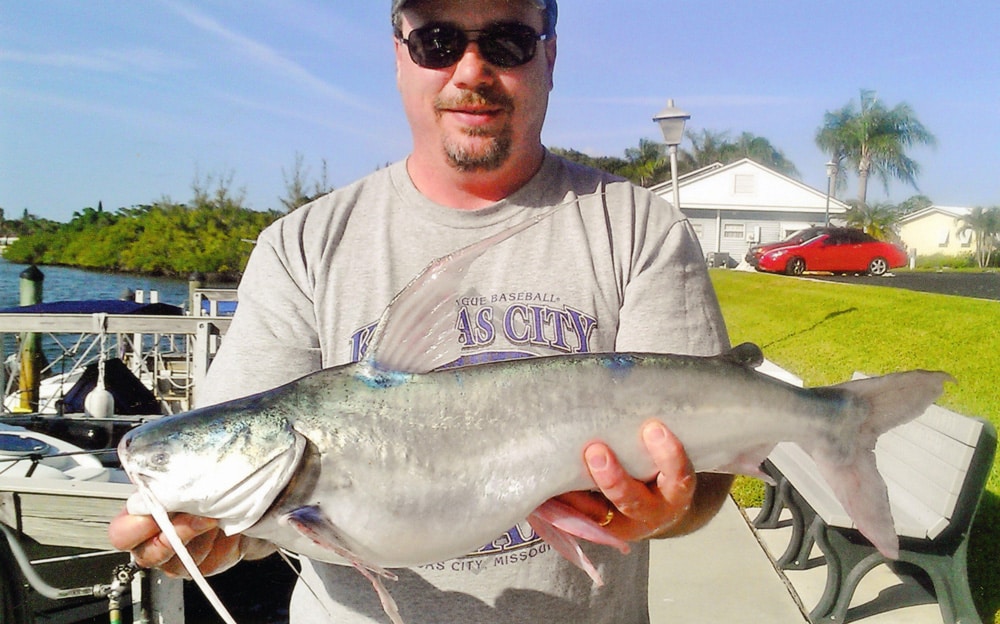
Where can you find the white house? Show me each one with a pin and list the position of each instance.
(734, 206)
(937, 230)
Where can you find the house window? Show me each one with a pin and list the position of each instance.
(735, 231)
(965, 237)
(699, 229)
(744, 183)
(942, 238)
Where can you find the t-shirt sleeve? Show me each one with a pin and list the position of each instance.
(669, 304)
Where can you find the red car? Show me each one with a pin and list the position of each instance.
(841, 250)
(799, 237)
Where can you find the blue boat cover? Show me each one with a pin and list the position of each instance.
(96, 306)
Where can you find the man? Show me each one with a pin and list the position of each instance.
(618, 269)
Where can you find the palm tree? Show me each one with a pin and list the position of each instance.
(648, 163)
(874, 140)
(709, 147)
(760, 150)
(878, 220)
(985, 225)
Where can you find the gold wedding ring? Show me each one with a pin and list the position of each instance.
(608, 518)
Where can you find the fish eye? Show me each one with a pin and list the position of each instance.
(160, 459)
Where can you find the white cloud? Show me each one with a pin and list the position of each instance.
(266, 56)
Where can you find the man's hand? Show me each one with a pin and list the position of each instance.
(209, 546)
(677, 502)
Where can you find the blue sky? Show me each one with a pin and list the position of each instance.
(129, 101)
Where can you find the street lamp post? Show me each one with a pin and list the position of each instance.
(831, 174)
(672, 120)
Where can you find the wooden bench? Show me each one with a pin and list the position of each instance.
(935, 468)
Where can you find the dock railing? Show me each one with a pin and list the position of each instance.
(201, 335)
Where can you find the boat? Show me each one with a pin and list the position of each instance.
(60, 483)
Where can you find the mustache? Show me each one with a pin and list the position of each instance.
(482, 97)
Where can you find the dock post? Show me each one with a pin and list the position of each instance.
(32, 358)
(195, 281)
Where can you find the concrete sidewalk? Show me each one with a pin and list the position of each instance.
(719, 574)
(724, 573)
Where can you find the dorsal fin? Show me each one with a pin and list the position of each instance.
(747, 354)
(416, 331)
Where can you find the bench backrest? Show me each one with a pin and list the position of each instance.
(936, 466)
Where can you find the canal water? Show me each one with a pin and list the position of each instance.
(68, 284)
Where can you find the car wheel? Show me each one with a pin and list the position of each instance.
(878, 266)
(795, 266)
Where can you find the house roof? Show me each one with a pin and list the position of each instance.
(956, 212)
(746, 185)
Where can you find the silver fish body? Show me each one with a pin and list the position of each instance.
(396, 461)
(472, 451)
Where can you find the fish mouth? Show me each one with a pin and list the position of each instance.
(236, 508)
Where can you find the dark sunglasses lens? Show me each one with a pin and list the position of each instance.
(441, 45)
(436, 47)
(508, 45)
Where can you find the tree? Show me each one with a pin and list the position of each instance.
(878, 220)
(874, 140)
(647, 164)
(709, 147)
(296, 188)
(985, 225)
(915, 203)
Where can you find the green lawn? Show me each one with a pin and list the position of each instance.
(823, 332)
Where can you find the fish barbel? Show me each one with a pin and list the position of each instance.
(340, 464)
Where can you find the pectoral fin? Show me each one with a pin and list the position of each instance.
(559, 525)
(313, 524)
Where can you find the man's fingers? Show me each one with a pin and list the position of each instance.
(645, 509)
(676, 480)
(630, 497)
(127, 531)
(156, 551)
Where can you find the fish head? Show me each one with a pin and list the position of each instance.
(228, 462)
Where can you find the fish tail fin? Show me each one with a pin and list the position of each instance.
(879, 404)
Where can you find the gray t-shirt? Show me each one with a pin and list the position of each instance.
(617, 270)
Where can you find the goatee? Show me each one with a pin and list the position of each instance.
(491, 147)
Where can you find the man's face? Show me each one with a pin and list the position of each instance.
(475, 114)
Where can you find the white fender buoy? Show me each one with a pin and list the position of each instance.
(99, 403)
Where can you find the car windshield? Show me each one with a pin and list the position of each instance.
(803, 235)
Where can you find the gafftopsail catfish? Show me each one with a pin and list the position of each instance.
(396, 462)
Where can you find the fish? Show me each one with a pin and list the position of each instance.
(399, 461)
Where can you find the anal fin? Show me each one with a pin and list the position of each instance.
(313, 524)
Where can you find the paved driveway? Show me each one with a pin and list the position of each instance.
(963, 284)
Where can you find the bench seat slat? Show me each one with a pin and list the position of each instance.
(912, 518)
(796, 465)
(956, 452)
(899, 476)
(943, 474)
(962, 429)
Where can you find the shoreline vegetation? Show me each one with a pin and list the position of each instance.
(162, 239)
(212, 235)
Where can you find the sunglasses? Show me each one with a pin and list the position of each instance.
(441, 45)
